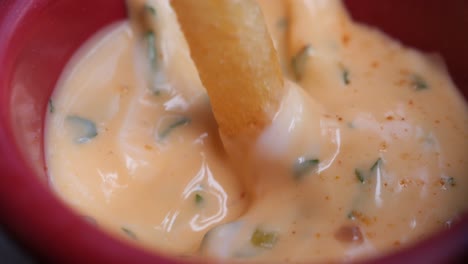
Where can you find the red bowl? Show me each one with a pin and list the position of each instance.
(37, 37)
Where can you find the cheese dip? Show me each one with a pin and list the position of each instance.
(368, 153)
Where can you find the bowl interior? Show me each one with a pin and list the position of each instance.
(36, 40)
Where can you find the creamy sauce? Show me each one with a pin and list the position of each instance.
(366, 155)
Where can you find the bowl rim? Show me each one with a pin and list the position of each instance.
(60, 235)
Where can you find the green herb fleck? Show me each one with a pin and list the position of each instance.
(264, 239)
(418, 83)
(303, 166)
(282, 23)
(85, 128)
(448, 181)
(51, 106)
(345, 76)
(299, 61)
(199, 199)
(179, 122)
(151, 45)
(351, 215)
(148, 8)
(376, 164)
(360, 176)
(129, 233)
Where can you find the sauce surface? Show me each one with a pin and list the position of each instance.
(373, 160)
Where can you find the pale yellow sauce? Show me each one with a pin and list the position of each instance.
(155, 171)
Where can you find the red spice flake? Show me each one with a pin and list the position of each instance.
(327, 198)
(437, 121)
(375, 64)
(148, 147)
(442, 182)
(404, 155)
(362, 218)
(383, 146)
(410, 102)
(242, 195)
(349, 234)
(345, 38)
(317, 235)
(389, 118)
(404, 182)
(397, 243)
(337, 177)
(401, 82)
(370, 234)
(404, 71)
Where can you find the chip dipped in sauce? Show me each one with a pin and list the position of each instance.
(366, 155)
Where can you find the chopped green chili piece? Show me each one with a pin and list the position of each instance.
(299, 61)
(351, 215)
(199, 199)
(345, 76)
(85, 128)
(129, 233)
(376, 164)
(448, 181)
(151, 45)
(264, 239)
(303, 166)
(51, 106)
(362, 176)
(148, 8)
(418, 83)
(177, 123)
(359, 176)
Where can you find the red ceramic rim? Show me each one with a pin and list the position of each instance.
(52, 232)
